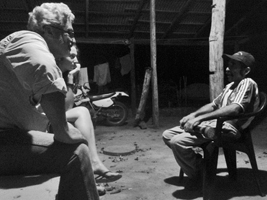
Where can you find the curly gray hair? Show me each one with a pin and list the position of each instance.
(49, 14)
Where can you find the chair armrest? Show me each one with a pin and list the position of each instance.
(220, 120)
(241, 116)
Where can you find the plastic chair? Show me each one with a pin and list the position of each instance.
(243, 144)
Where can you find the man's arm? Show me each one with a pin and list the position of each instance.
(204, 109)
(232, 109)
(53, 105)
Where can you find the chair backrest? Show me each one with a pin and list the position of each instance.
(261, 107)
(263, 103)
(220, 120)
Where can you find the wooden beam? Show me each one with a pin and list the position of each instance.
(13, 22)
(153, 50)
(132, 10)
(168, 42)
(207, 23)
(200, 31)
(216, 48)
(168, 23)
(247, 15)
(105, 14)
(133, 78)
(178, 18)
(12, 9)
(137, 16)
(86, 17)
(147, 22)
(103, 24)
(104, 32)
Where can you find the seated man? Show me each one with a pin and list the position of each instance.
(239, 96)
(29, 76)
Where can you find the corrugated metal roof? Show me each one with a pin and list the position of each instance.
(114, 21)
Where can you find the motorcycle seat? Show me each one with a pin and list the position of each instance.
(100, 96)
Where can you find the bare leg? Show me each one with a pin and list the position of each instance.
(81, 119)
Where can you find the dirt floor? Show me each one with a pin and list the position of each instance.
(150, 173)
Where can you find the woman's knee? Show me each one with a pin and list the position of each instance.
(83, 112)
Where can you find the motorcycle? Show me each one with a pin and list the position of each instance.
(102, 107)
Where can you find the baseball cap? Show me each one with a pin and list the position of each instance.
(243, 57)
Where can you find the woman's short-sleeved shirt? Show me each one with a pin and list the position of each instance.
(27, 71)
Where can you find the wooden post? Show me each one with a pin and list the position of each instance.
(216, 48)
(140, 111)
(153, 50)
(133, 85)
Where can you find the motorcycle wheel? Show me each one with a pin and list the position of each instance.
(116, 114)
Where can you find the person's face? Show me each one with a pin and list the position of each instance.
(235, 72)
(67, 63)
(60, 40)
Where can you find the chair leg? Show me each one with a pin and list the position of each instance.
(252, 158)
(230, 158)
(209, 173)
(181, 175)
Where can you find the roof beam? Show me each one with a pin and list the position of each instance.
(173, 42)
(178, 18)
(103, 24)
(253, 10)
(168, 23)
(147, 22)
(131, 10)
(207, 23)
(137, 16)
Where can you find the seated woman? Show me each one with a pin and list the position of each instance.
(80, 117)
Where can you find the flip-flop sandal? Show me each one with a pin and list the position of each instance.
(104, 178)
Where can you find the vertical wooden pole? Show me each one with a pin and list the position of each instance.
(141, 109)
(133, 85)
(153, 50)
(216, 48)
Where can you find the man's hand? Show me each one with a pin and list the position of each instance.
(53, 105)
(72, 136)
(185, 119)
(191, 124)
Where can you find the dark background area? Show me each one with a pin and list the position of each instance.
(173, 63)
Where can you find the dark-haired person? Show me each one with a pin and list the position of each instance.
(239, 96)
(81, 118)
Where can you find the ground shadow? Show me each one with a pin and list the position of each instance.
(182, 193)
(225, 188)
(9, 182)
